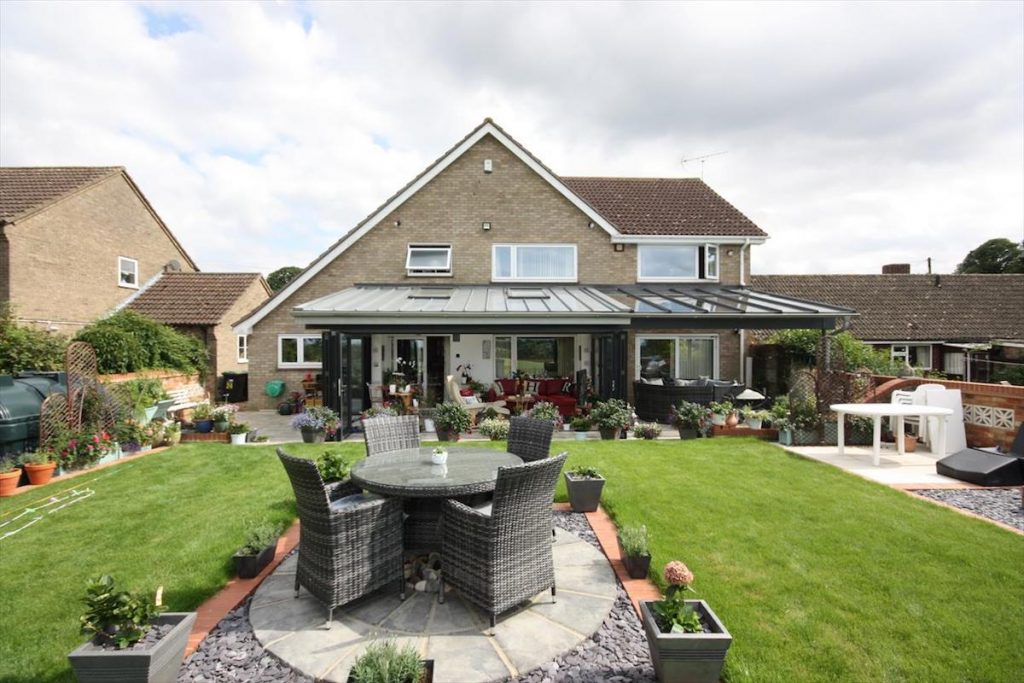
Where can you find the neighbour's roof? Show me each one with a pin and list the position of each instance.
(663, 206)
(192, 298)
(25, 190)
(964, 308)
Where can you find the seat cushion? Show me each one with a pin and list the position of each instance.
(351, 501)
(484, 508)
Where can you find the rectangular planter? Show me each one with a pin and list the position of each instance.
(158, 664)
(637, 566)
(249, 566)
(584, 494)
(687, 657)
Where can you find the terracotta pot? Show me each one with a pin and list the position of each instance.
(732, 420)
(909, 443)
(40, 474)
(9, 482)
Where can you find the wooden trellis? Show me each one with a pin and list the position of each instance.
(53, 417)
(80, 366)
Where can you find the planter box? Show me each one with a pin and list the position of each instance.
(428, 675)
(581, 436)
(608, 434)
(786, 437)
(313, 435)
(686, 657)
(249, 566)
(158, 664)
(584, 494)
(637, 566)
(687, 434)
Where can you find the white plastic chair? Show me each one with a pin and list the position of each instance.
(926, 429)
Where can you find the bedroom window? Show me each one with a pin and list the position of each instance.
(429, 260)
(534, 263)
(127, 272)
(676, 262)
(299, 351)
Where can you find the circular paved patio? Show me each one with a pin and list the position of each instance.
(455, 634)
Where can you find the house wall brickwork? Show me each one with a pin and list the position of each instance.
(225, 342)
(63, 260)
(521, 208)
(5, 269)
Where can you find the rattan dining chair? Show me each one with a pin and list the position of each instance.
(349, 544)
(387, 433)
(498, 560)
(530, 438)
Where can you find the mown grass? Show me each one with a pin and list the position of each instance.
(818, 575)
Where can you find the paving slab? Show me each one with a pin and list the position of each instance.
(893, 469)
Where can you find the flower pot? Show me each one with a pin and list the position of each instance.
(753, 422)
(239, 439)
(608, 433)
(637, 566)
(40, 474)
(909, 443)
(173, 437)
(786, 437)
(312, 435)
(427, 677)
(732, 420)
(446, 435)
(581, 436)
(686, 657)
(438, 458)
(9, 482)
(687, 433)
(566, 428)
(203, 426)
(718, 419)
(249, 566)
(221, 426)
(160, 662)
(584, 494)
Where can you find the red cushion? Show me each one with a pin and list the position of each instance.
(508, 385)
(466, 392)
(551, 386)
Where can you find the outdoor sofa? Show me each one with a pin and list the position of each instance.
(654, 401)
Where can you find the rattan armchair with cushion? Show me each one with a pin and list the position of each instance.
(386, 433)
(530, 438)
(498, 560)
(349, 544)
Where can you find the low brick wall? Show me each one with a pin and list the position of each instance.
(992, 412)
(168, 378)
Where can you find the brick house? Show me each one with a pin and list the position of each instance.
(86, 232)
(488, 262)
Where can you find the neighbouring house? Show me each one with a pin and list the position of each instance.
(964, 326)
(76, 241)
(488, 262)
(205, 305)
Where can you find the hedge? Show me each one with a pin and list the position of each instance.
(28, 348)
(129, 342)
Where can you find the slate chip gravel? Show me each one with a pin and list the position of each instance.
(1002, 505)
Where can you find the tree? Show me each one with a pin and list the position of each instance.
(998, 255)
(281, 277)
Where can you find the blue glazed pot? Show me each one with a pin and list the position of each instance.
(204, 426)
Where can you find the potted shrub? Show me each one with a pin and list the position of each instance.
(450, 420)
(581, 426)
(223, 416)
(202, 417)
(238, 431)
(333, 466)
(130, 639)
(691, 419)
(315, 423)
(805, 421)
(633, 547)
(494, 428)
(686, 639)
(152, 435)
(647, 430)
(172, 434)
(584, 484)
(9, 476)
(39, 467)
(258, 550)
(611, 417)
(778, 416)
(722, 413)
(545, 410)
(754, 419)
(385, 662)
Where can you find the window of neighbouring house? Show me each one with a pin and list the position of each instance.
(299, 351)
(682, 357)
(127, 272)
(676, 262)
(534, 262)
(243, 348)
(916, 355)
(429, 259)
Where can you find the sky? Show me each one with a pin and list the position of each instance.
(854, 134)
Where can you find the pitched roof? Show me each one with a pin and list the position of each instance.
(25, 190)
(192, 298)
(663, 206)
(953, 308)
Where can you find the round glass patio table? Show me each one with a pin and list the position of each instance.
(411, 475)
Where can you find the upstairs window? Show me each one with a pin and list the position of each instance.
(676, 262)
(534, 263)
(127, 272)
(429, 260)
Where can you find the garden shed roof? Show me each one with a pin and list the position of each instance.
(192, 298)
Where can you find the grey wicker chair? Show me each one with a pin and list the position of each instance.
(386, 433)
(346, 550)
(530, 438)
(497, 561)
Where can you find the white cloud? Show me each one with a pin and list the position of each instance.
(857, 134)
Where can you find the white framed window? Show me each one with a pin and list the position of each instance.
(299, 351)
(127, 272)
(916, 355)
(676, 262)
(243, 348)
(533, 263)
(425, 260)
(676, 356)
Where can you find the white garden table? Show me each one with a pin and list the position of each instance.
(877, 411)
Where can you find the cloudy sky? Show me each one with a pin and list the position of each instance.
(854, 134)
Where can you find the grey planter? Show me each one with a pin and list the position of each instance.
(607, 434)
(685, 433)
(584, 494)
(311, 435)
(786, 437)
(637, 566)
(249, 566)
(805, 437)
(686, 657)
(158, 664)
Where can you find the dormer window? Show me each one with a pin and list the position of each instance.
(127, 272)
(676, 262)
(533, 263)
(429, 260)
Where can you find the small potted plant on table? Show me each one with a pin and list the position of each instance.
(39, 466)
(9, 476)
(450, 420)
(258, 550)
(611, 417)
(238, 431)
(688, 642)
(584, 485)
(581, 426)
(131, 641)
(691, 419)
(385, 662)
(633, 546)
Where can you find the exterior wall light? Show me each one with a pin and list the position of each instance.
(620, 247)
(486, 225)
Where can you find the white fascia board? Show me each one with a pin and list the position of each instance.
(686, 239)
(245, 326)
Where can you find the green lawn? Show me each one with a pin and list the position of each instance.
(818, 574)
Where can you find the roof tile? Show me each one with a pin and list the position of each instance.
(192, 298)
(24, 190)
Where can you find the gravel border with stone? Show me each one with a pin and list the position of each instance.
(1002, 505)
(616, 653)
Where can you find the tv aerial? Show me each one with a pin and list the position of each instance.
(702, 159)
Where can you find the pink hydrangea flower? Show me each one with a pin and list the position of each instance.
(678, 574)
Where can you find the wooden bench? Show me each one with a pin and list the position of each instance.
(186, 397)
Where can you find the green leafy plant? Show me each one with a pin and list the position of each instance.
(635, 540)
(7, 465)
(113, 617)
(379, 411)
(258, 535)
(671, 612)
(494, 428)
(135, 395)
(803, 414)
(720, 407)
(385, 662)
(317, 417)
(36, 458)
(224, 412)
(693, 416)
(27, 348)
(580, 424)
(452, 417)
(153, 433)
(238, 428)
(202, 411)
(333, 466)
(585, 472)
(129, 342)
(647, 430)
(612, 414)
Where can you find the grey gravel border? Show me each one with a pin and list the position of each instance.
(1001, 505)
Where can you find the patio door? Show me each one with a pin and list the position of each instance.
(346, 365)
(608, 360)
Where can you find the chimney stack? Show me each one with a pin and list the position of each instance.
(896, 269)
